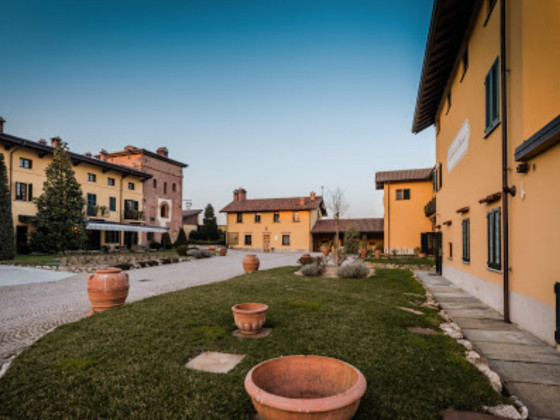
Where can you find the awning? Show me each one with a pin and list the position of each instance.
(120, 227)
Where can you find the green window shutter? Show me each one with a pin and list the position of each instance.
(487, 101)
(30, 191)
(497, 236)
(490, 236)
(112, 204)
(406, 194)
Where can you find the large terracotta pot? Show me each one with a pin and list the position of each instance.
(251, 263)
(422, 255)
(377, 253)
(363, 253)
(305, 387)
(212, 248)
(249, 317)
(223, 251)
(325, 251)
(107, 288)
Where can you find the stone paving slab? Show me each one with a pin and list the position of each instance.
(215, 362)
(474, 313)
(484, 324)
(456, 305)
(528, 372)
(513, 337)
(518, 352)
(533, 396)
(448, 289)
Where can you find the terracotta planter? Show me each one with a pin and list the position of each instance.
(212, 248)
(107, 288)
(305, 387)
(251, 263)
(422, 255)
(223, 252)
(249, 317)
(363, 253)
(306, 256)
(377, 253)
(325, 251)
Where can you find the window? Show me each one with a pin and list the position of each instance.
(25, 163)
(248, 240)
(403, 194)
(91, 177)
(150, 236)
(24, 192)
(494, 239)
(131, 185)
(111, 182)
(130, 209)
(112, 237)
(276, 217)
(173, 187)
(296, 216)
(239, 217)
(155, 183)
(91, 204)
(164, 211)
(491, 90)
(257, 218)
(450, 250)
(286, 240)
(466, 240)
(434, 180)
(112, 204)
(440, 179)
(165, 187)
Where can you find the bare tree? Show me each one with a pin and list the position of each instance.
(337, 205)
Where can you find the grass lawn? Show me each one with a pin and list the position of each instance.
(129, 362)
(50, 259)
(404, 260)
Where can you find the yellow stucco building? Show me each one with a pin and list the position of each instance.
(113, 193)
(490, 85)
(272, 224)
(406, 193)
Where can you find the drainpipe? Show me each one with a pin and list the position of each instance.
(12, 170)
(505, 187)
(388, 217)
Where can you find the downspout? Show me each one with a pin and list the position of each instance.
(505, 188)
(388, 217)
(12, 170)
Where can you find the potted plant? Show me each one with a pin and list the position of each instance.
(103, 210)
(325, 249)
(378, 252)
(363, 250)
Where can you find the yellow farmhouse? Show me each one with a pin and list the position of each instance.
(406, 194)
(272, 224)
(490, 84)
(113, 193)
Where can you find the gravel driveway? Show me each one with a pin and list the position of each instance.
(29, 311)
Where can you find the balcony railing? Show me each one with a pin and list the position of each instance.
(133, 215)
(430, 208)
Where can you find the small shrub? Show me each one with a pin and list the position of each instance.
(181, 239)
(155, 245)
(351, 240)
(310, 260)
(182, 250)
(152, 263)
(205, 253)
(166, 261)
(355, 270)
(313, 270)
(124, 266)
(166, 241)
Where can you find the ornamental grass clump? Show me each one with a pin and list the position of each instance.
(313, 270)
(355, 270)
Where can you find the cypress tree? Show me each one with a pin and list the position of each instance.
(209, 224)
(59, 220)
(7, 240)
(181, 239)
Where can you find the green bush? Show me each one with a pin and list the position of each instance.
(310, 260)
(355, 270)
(182, 250)
(181, 239)
(351, 240)
(124, 266)
(166, 241)
(313, 270)
(155, 245)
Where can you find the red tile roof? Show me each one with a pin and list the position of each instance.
(275, 204)
(362, 225)
(402, 176)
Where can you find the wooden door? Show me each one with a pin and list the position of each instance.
(266, 242)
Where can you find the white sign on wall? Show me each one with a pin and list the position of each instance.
(459, 146)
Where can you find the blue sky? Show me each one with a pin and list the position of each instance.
(279, 97)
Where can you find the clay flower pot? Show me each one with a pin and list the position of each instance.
(422, 255)
(107, 288)
(251, 263)
(377, 254)
(249, 317)
(304, 256)
(325, 251)
(305, 387)
(223, 251)
(363, 253)
(212, 248)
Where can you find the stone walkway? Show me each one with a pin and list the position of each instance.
(29, 311)
(528, 367)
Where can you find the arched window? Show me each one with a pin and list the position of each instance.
(155, 183)
(165, 187)
(163, 210)
(173, 187)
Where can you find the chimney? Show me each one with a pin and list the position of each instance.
(56, 141)
(301, 201)
(312, 195)
(235, 195)
(242, 195)
(2, 121)
(103, 154)
(87, 154)
(42, 142)
(162, 151)
(129, 148)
